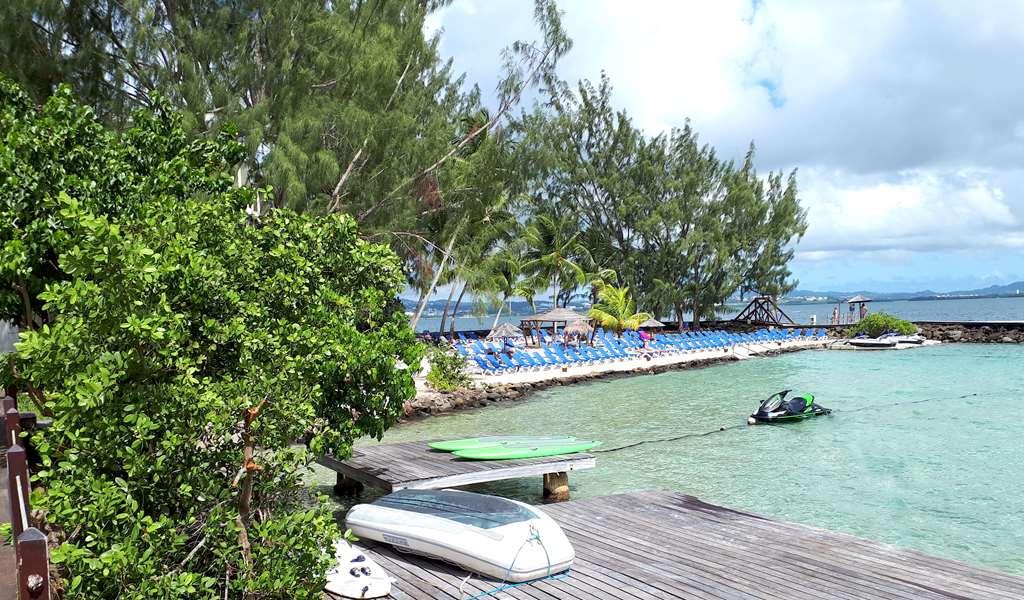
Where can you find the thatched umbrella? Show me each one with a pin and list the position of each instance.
(504, 331)
(554, 316)
(651, 323)
(579, 329)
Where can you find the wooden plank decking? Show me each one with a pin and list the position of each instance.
(391, 467)
(658, 545)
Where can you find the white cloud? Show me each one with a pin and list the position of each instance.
(903, 116)
(906, 211)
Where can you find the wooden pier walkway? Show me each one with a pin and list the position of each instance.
(391, 467)
(658, 545)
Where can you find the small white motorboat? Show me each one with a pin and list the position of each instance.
(917, 338)
(867, 343)
(356, 575)
(500, 538)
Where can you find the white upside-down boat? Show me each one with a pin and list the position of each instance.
(356, 575)
(500, 538)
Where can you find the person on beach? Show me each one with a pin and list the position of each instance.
(509, 349)
(852, 319)
(863, 310)
(644, 339)
(835, 315)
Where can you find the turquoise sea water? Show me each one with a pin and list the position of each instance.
(905, 459)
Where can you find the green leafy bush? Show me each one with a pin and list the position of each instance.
(878, 323)
(447, 369)
(182, 347)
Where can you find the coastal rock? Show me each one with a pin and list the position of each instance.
(1008, 340)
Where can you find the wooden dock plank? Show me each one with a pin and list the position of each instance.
(656, 545)
(391, 467)
(843, 551)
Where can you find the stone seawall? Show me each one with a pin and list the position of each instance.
(430, 402)
(978, 332)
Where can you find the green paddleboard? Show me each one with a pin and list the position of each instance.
(509, 451)
(500, 440)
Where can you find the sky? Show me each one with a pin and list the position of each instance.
(903, 118)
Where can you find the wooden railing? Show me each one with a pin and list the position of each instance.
(30, 544)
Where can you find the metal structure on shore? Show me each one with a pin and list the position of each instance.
(763, 310)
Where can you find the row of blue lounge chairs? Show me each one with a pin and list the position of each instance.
(491, 359)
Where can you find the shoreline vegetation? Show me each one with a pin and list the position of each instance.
(209, 211)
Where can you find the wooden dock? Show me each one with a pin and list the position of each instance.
(658, 545)
(391, 467)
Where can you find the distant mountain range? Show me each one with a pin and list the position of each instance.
(994, 291)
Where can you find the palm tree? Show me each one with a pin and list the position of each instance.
(616, 310)
(503, 276)
(554, 252)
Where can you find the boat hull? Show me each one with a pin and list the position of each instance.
(760, 419)
(524, 550)
(872, 344)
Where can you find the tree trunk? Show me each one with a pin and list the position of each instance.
(444, 315)
(498, 316)
(455, 311)
(696, 309)
(422, 304)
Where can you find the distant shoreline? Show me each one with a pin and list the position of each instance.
(911, 299)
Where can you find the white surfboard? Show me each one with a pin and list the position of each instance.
(356, 575)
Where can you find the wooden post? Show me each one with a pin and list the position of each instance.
(345, 486)
(17, 486)
(556, 486)
(12, 420)
(33, 565)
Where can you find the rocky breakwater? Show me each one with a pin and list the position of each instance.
(428, 402)
(978, 333)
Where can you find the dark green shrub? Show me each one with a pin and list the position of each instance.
(182, 347)
(876, 324)
(447, 369)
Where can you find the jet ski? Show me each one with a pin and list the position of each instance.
(782, 408)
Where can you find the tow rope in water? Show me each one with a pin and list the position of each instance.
(671, 439)
(904, 403)
(721, 429)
